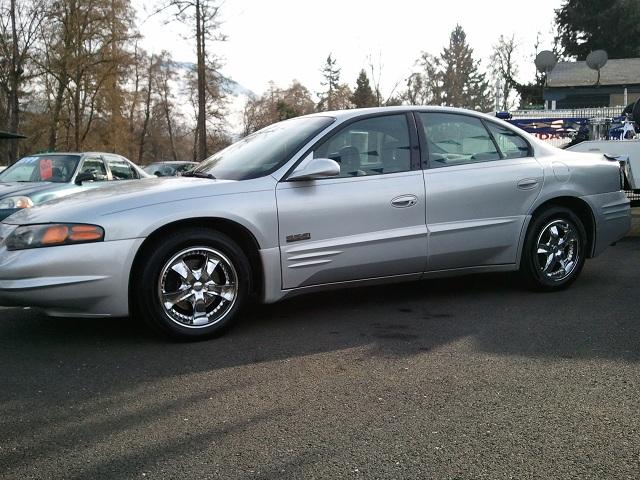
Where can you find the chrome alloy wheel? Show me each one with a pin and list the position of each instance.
(557, 250)
(198, 287)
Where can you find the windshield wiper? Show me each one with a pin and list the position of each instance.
(199, 175)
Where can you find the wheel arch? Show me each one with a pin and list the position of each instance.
(581, 209)
(235, 231)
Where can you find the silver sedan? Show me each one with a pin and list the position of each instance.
(328, 200)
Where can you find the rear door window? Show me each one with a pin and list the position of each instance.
(95, 166)
(509, 142)
(120, 168)
(455, 139)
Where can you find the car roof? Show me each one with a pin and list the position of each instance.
(355, 112)
(343, 115)
(51, 154)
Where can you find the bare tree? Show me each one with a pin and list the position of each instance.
(275, 105)
(376, 68)
(19, 28)
(504, 70)
(424, 87)
(165, 76)
(203, 16)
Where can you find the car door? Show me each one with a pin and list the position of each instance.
(481, 179)
(369, 221)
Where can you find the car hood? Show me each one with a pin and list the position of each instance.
(115, 197)
(23, 188)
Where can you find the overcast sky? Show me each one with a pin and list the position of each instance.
(282, 40)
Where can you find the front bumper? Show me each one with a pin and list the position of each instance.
(612, 215)
(86, 280)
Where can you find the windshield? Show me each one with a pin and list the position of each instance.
(160, 168)
(42, 168)
(265, 151)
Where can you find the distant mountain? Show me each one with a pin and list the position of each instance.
(236, 89)
(238, 95)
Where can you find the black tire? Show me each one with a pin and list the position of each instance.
(154, 273)
(556, 276)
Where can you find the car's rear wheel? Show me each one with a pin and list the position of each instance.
(192, 284)
(554, 249)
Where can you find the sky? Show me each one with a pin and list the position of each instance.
(282, 40)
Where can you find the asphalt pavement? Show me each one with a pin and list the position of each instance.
(466, 378)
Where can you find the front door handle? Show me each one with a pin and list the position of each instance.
(527, 183)
(404, 201)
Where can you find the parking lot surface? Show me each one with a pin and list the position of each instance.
(461, 378)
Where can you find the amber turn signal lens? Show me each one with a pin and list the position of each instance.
(55, 235)
(85, 233)
(48, 235)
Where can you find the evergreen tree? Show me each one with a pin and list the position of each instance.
(463, 84)
(587, 25)
(331, 74)
(363, 95)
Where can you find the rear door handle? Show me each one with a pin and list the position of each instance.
(404, 201)
(527, 183)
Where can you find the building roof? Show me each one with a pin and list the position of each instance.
(7, 135)
(625, 71)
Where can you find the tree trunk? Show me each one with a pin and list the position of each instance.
(55, 116)
(76, 116)
(147, 114)
(167, 115)
(202, 120)
(14, 105)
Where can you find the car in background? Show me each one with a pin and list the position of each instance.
(169, 169)
(39, 178)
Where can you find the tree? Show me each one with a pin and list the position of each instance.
(587, 25)
(331, 75)
(20, 23)
(424, 87)
(363, 94)
(215, 107)
(376, 69)
(276, 105)
(463, 84)
(531, 93)
(165, 75)
(204, 17)
(84, 59)
(504, 69)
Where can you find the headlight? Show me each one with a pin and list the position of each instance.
(51, 235)
(10, 203)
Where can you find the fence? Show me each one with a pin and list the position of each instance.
(599, 112)
(557, 127)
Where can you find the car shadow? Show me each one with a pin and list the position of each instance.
(595, 317)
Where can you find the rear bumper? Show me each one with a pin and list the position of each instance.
(612, 215)
(88, 280)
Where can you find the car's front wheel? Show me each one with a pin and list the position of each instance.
(192, 284)
(554, 249)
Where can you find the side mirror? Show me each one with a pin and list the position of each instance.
(85, 177)
(316, 168)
